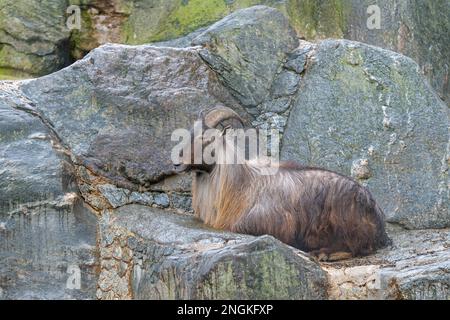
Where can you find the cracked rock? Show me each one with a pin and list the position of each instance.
(182, 265)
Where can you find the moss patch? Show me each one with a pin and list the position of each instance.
(181, 17)
(318, 19)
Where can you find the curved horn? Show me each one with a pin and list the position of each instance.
(219, 114)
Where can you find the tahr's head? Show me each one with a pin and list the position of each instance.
(219, 118)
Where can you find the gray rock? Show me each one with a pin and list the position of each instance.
(417, 29)
(144, 21)
(45, 240)
(161, 199)
(416, 267)
(116, 196)
(182, 42)
(27, 158)
(107, 119)
(47, 253)
(121, 105)
(33, 38)
(360, 102)
(184, 260)
(247, 49)
(296, 60)
(277, 105)
(285, 84)
(144, 198)
(177, 183)
(181, 202)
(270, 120)
(31, 45)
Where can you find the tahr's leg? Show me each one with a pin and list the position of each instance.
(326, 254)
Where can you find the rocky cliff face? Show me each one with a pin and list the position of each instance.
(34, 38)
(417, 29)
(86, 180)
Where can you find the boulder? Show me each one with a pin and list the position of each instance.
(33, 38)
(417, 29)
(101, 129)
(34, 46)
(30, 169)
(116, 109)
(414, 28)
(144, 21)
(163, 255)
(47, 238)
(247, 49)
(368, 112)
(48, 251)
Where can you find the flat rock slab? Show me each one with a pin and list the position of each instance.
(417, 267)
(163, 255)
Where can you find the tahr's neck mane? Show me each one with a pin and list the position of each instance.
(219, 198)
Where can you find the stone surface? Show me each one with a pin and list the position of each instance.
(121, 104)
(416, 267)
(100, 130)
(175, 257)
(145, 198)
(45, 236)
(181, 42)
(30, 45)
(361, 104)
(247, 49)
(181, 202)
(34, 39)
(417, 29)
(162, 200)
(296, 60)
(30, 169)
(285, 84)
(47, 251)
(144, 21)
(116, 196)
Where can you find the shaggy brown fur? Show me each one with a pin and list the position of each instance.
(313, 209)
